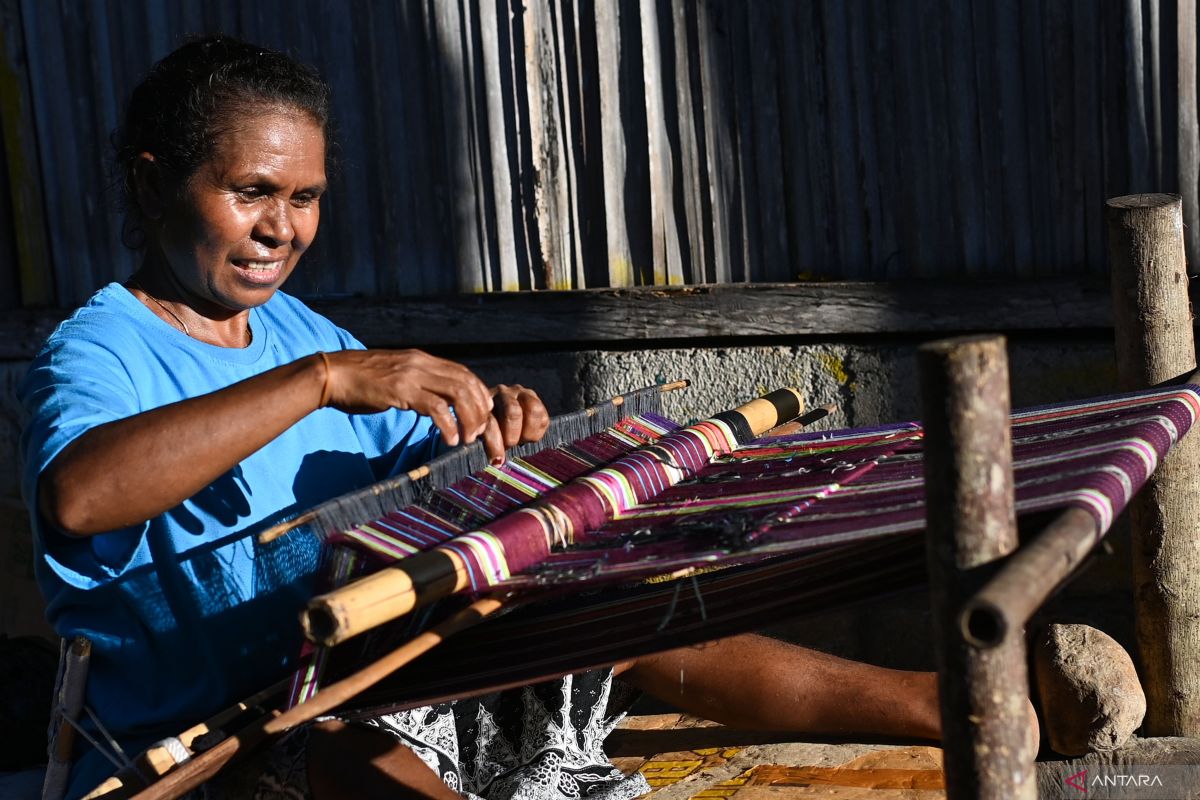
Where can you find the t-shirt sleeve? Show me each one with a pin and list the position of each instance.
(74, 385)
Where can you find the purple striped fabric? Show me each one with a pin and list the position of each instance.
(797, 493)
(781, 496)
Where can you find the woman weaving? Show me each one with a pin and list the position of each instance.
(176, 415)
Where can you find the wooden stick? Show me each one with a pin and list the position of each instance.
(421, 472)
(971, 521)
(194, 772)
(69, 692)
(1010, 598)
(396, 590)
(157, 760)
(338, 693)
(1153, 325)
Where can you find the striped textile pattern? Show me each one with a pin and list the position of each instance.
(790, 494)
(793, 506)
(463, 516)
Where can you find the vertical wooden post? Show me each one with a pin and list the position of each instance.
(1154, 343)
(971, 521)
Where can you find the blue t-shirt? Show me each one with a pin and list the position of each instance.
(187, 613)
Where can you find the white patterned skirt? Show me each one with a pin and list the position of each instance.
(540, 742)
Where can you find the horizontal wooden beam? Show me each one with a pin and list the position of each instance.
(605, 316)
(599, 316)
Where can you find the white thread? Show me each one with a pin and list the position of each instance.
(175, 748)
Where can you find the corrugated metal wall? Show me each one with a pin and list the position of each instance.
(514, 144)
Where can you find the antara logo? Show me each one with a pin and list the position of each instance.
(1078, 781)
(1126, 780)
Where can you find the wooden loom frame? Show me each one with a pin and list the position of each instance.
(979, 626)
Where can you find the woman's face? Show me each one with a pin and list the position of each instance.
(233, 233)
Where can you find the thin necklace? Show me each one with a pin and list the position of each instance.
(135, 284)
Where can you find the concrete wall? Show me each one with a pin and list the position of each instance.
(872, 382)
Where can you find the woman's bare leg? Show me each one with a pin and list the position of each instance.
(756, 683)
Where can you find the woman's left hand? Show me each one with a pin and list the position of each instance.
(518, 417)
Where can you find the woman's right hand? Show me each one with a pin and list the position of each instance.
(367, 381)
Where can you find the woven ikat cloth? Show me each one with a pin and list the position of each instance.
(813, 493)
(797, 493)
(793, 493)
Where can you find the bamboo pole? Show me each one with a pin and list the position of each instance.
(160, 758)
(176, 779)
(1153, 326)
(971, 522)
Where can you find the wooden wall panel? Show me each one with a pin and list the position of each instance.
(567, 144)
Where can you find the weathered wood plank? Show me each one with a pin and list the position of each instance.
(1188, 127)
(514, 78)
(633, 123)
(697, 248)
(498, 148)
(1065, 204)
(797, 210)
(395, 230)
(455, 88)
(612, 142)
(1089, 131)
(1153, 77)
(745, 213)
(53, 27)
(917, 216)
(811, 138)
(852, 242)
(1041, 154)
(686, 313)
(814, 309)
(552, 168)
(23, 168)
(880, 230)
(664, 233)
(1015, 154)
(720, 168)
(1138, 132)
(769, 158)
(965, 157)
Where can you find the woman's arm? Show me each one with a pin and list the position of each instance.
(129, 470)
